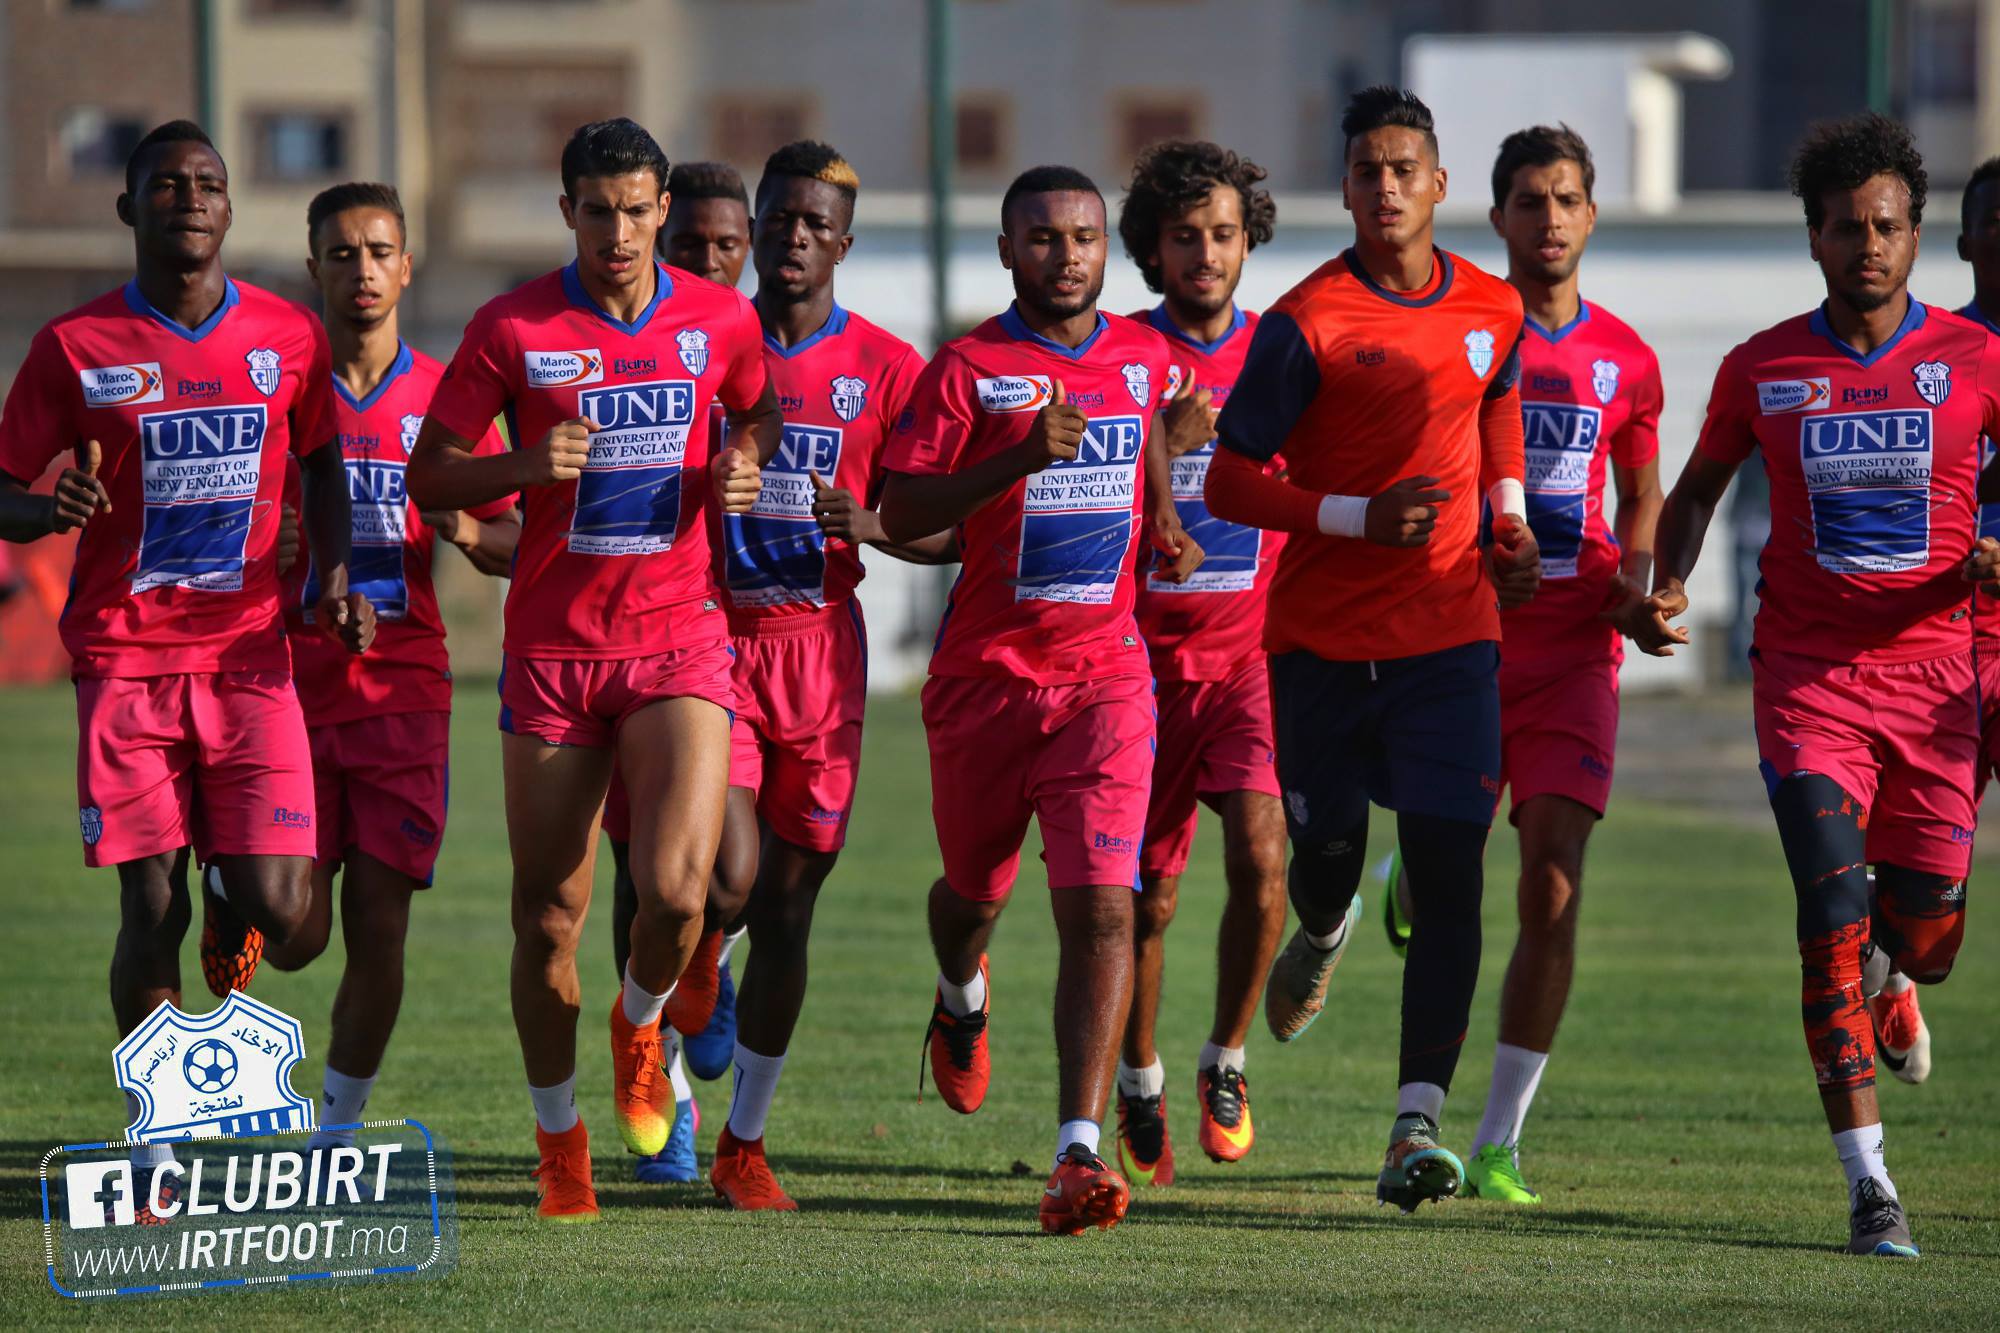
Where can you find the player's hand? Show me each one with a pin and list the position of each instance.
(1982, 567)
(1654, 635)
(357, 631)
(1404, 514)
(444, 522)
(843, 517)
(561, 454)
(288, 539)
(1177, 555)
(79, 493)
(1188, 420)
(1624, 603)
(738, 481)
(1056, 432)
(1514, 561)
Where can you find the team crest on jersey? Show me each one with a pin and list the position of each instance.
(1933, 381)
(694, 350)
(265, 369)
(411, 424)
(1604, 380)
(1174, 380)
(1138, 382)
(92, 821)
(849, 396)
(1479, 351)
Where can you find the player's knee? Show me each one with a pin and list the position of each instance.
(1154, 910)
(1325, 874)
(1919, 921)
(1550, 895)
(673, 887)
(1255, 867)
(547, 928)
(1839, 1037)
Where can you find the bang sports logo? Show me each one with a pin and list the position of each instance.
(776, 553)
(1775, 397)
(1014, 393)
(1560, 444)
(199, 473)
(1868, 480)
(555, 370)
(1077, 517)
(114, 386)
(628, 500)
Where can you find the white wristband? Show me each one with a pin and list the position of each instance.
(1344, 515)
(1508, 497)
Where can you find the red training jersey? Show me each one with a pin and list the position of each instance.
(1046, 589)
(1590, 396)
(605, 559)
(841, 391)
(406, 669)
(1206, 628)
(1359, 387)
(1874, 468)
(194, 425)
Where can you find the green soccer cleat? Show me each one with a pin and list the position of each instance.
(1395, 914)
(1417, 1169)
(1296, 990)
(1494, 1174)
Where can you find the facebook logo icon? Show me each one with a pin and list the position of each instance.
(100, 1194)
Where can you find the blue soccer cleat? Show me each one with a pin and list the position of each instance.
(675, 1163)
(710, 1051)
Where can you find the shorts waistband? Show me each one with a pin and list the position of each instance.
(792, 624)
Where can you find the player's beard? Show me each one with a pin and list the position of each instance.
(1207, 304)
(1049, 306)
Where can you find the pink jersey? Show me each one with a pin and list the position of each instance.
(1874, 464)
(606, 559)
(406, 670)
(1046, 590)
(1590, 395)
(1206, 628)
(195, 425)
(841, 391)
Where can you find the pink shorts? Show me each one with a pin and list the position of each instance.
(213, 760)
(801, 688)
(1077, 758)
(1902, 739)
(380, 785)
(1986, 653)
(1215, 738)
(569, 701)
(1558, 730)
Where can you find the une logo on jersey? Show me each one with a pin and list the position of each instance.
(1568, 426)
(1867, 432)
(203, 432)
(373, 481)
(654, 403)
(1109, 440)
(805, 449)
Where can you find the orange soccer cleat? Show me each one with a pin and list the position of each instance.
(1083, 1193)
(693, 1002)
(642, 1096)
(955, 1045)
(742, 1177)
(231, 947)
(564, 1176)
(1224, 1097)
(1145, 1151)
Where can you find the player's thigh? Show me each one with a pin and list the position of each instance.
(1172, 809)
(1326, 751)
(135, 761)
(1253, 835)
(1439, 728)
(553, 794)
(1090, 780)
(254, 773)
(1559, 732)
(398, 776)
(1924, 812)
(982, 738)
(674, 754)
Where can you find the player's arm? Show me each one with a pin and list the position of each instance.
(844, 517)
(327, 510)
(487, 542)
(1179, 555)
(753, 436)
(1514, 560)
(25, 516)
(35, 427)
(922, 504)
(1727, 438)
(1635, 472)
(446, 472)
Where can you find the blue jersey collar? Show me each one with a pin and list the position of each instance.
(136, 300)
(1557, 335)
(836, 324)
(1161, 320)
(1972, 312)
(1017, 329)
(1913, 319)
(1354, 266)
(663, 287)
(397, 369)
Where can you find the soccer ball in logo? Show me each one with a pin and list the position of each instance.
(210, 1066)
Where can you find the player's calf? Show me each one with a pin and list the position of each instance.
(1919, 921)
(154, 913)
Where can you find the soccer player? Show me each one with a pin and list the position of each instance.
(179, 396)
(790, 566)
(379, 724)
(615, 642)
(1032, 436)
(1191, 215)
(1387, 382)
(1868, 412)
(1590, 403)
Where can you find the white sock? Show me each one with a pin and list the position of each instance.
(1517, 1072)
(146, 1156)
(211, 879)
(729, 945)
(1896, 984)
(1148, 1082)
(677, 1073)
(1328, 942)
(963, 998)
(756, 1085)
(1861, 1157)
(641, 1005)
(1424, 1098)
(555, 1107)
(1221, 1057)
(342, 1098)
(1084, 1132)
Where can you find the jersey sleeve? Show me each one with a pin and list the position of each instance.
(313, 420)
(480, 381)
(746, 375)
(39, 420)
(1279, 380)
(1726, 432)
(931, 432)
(490, 445)
(1639, 442)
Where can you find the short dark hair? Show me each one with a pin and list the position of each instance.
(1381, 106)
(611, 148)
(174, 131)
(353, 194)
(1541, 146)
(707, 180)
(809, 159)
(1172, 177)
(1986, 172)
(1846, 154)
(1046, 180)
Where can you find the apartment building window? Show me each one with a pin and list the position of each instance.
(301, 145)
(311, 9)
(745, 130)
(510, 116)
(110, 6)
(981, 130)
(1943, 53)
(91, 141)
(1147, 118)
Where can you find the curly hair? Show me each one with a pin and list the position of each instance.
(1846, 154)
(1173, 177)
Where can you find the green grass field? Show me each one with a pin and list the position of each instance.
(1677, 1138)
